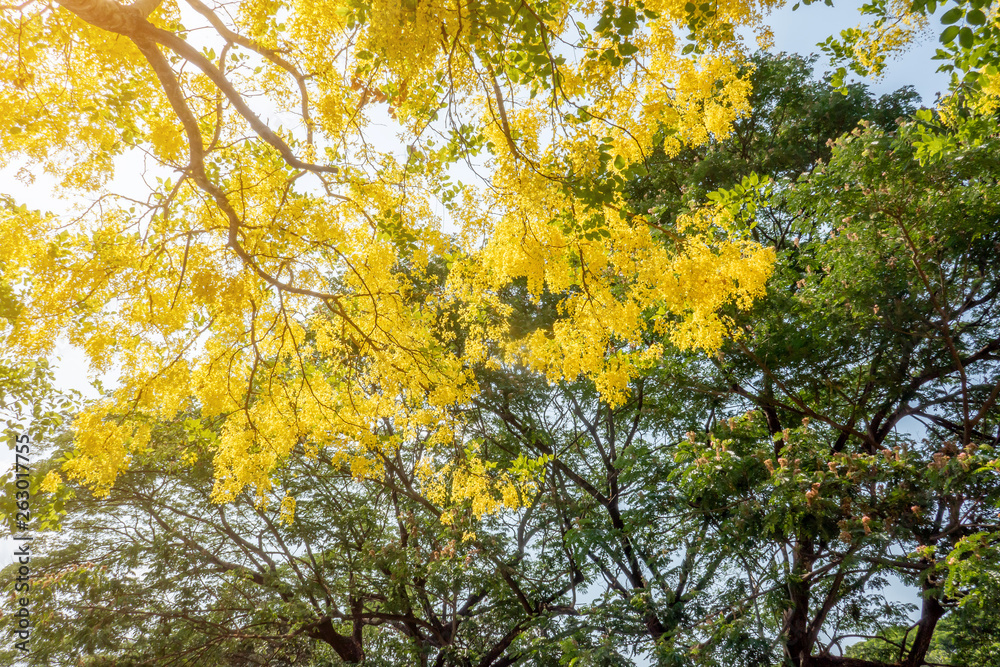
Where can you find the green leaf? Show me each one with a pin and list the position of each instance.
(628, 49)
(966, 38)
(949, 34)
(952, 15)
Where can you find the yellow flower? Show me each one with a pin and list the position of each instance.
(286, 513)
(51, 482)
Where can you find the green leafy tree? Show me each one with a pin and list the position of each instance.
(856, 424)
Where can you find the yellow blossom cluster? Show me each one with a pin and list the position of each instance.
(477, 484)
(283, 273)
(622, 290)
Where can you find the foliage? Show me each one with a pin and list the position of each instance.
(788, 133)
(882, 311)
(266, 275)
(748, 508)
(342, 434)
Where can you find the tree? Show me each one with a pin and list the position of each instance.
(728, 511)
(156, 573)
(882, 311)
(277, 229)
(260, 277)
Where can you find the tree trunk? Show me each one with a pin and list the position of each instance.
(930, 612)
(348, 648)
(798, 643)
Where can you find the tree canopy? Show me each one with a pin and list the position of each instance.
(760, 505)
(290, 264)
(269, 272)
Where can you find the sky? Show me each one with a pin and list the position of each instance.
(802, 30)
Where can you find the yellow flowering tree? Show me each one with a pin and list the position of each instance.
(314, 170)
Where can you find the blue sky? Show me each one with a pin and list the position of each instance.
(800, 31)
